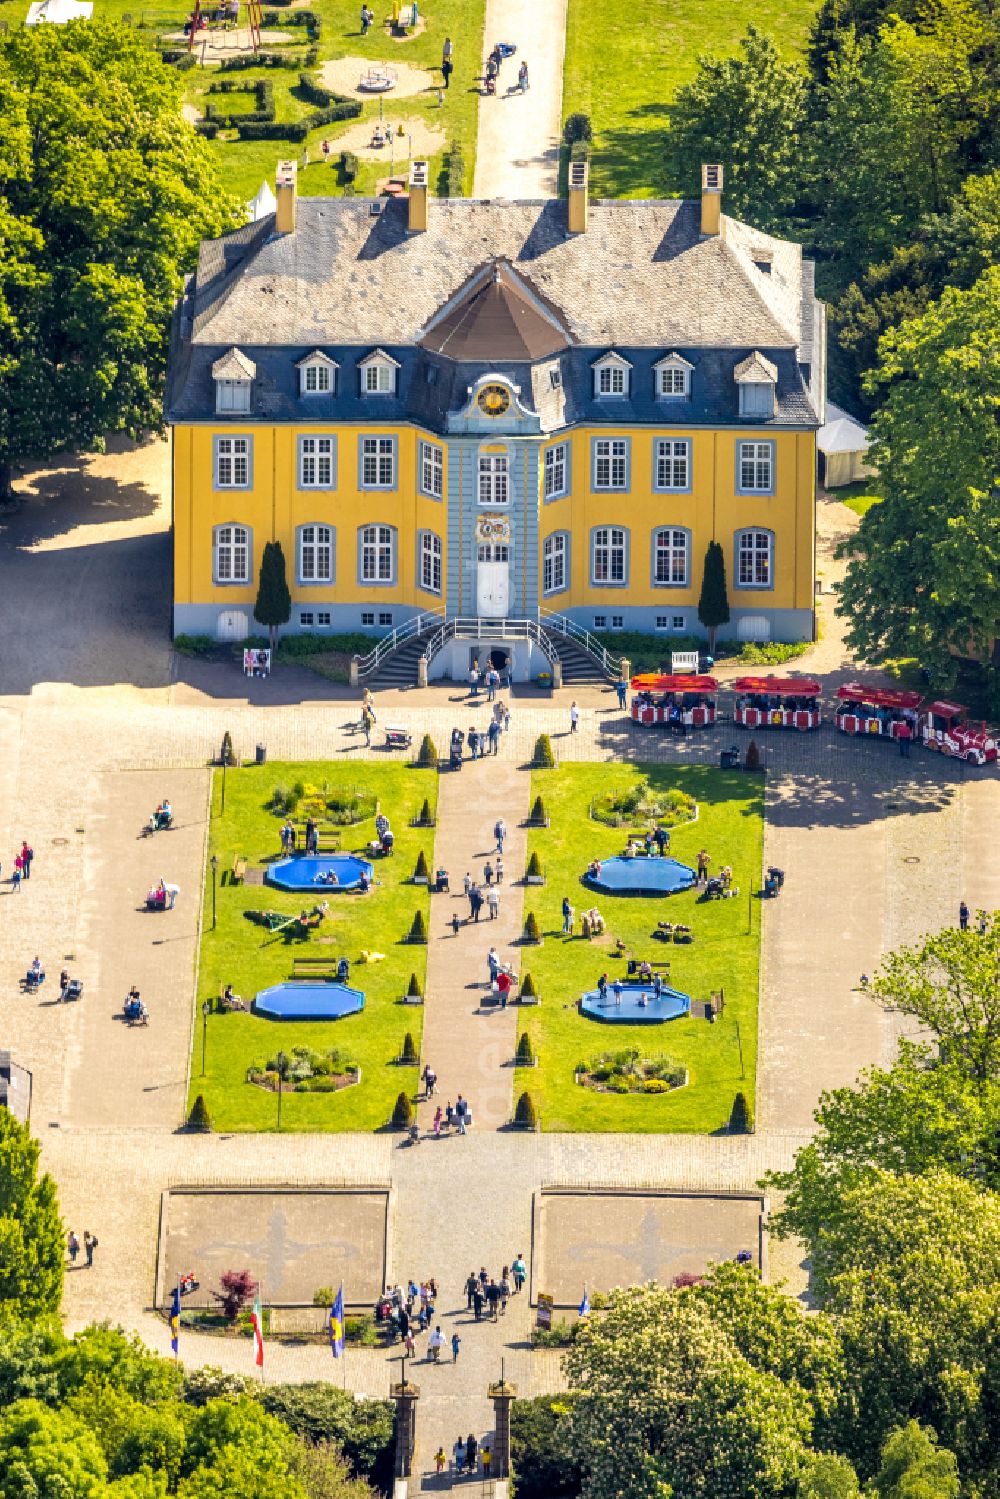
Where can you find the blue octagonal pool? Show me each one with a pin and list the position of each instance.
(311, 871)
(308, 1001)
(643, 875)
(627, 1010)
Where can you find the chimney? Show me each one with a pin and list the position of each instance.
(711, 199)
(284, 181)
(417, 221)
(579, 188)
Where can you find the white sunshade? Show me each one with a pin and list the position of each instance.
(58, 12)
(841, 434)
(265, 202)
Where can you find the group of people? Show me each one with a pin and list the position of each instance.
(163, 896)
(478, 897)
(22, 865)
(486, 1293)
(162, 818)
(405, 1312)
(495, 61)
(89, 1245)
(470, 1456)
(657, 839)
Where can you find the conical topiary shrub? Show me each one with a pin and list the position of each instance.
(402, 1114)
(413, 988)
(421, 872)
(752, 761)
(538, 813)
(534, 869)
(425, 818)
(525, 1054)
(532, 931)
(528, 989)
(543, 758)
(418, 931)
(227, 757)
(740, 1118)
(408, 1055)
(199, 1117)
(427, 754)
(525, 1114)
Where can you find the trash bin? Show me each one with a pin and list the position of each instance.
(729, 759)
(261, 754)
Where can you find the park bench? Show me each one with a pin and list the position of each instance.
(238, 871)
(327, 838)
(660, 967)
(314, 968)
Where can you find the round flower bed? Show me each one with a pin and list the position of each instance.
(305, 1071)
(629, 1072)
(642, 805)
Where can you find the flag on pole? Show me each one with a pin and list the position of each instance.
(337, 1324)
(175, 1320)
(257, 1323)
(585, 1304)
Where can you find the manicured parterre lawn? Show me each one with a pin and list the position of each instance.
(723, 955)
(245, 164)
(249, 957)
(624, 64)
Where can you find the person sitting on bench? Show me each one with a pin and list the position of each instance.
(343, 970)
(441, 882)
(35, 975)
(364, 882)
(231, 1001)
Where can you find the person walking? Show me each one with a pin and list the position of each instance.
(493, 901)
(440, 1461)
(505, 1290)
(574, 717)
(493, 735)
(456, 1345)
(493, 963)
(522, 78)
(364, 20)
(477, 902)
(461, 1113)
(703, 862)
(567, 911)
(73, 1245)
(474, 680)
(500, 833)
(621, 687)
(458, 1451)
(488, 873)
(471, 1453)
(27, 854)
(89, 1245)
(493, 1298)
(447, 68)
(519, 1271)
(435, 1343)
(903, 735)
(470, 1290)
(430, 1079)
(438, 1117)
(477, 1302)
(963, 917)
(498, 870)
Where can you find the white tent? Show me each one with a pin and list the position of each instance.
(265, 202)
(58, 12)
(843, 445)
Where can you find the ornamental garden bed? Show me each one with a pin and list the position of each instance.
(628, 1072)
(303, 1070)
(642, 806)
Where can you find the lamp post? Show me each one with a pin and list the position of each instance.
(215, 869)
(206, 1010)
(279, 1097)
(225, 762)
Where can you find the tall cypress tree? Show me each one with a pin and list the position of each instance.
(713, 606)
(274, 602)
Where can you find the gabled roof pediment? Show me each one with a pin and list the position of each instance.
(317, 357)
(378, 356)
(674, 358)
(612, 357)
(755, 370)
(496, 316)
(234, 365)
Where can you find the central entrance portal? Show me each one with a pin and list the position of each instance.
(493, 580)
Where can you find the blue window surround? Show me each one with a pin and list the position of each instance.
(364, 582)
(669, 488)
(435, 592)
(232, 582)
(567, 446)
(302, 582)
(753, 587)
(667, 526)
(225, 436)
(758, 440)
(308, 488)
(603, 583)
(611, 437)
(567, 556)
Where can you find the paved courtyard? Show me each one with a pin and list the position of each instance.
(877, 850)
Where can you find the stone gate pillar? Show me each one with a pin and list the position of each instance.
(503, 1395)
(405, 1396)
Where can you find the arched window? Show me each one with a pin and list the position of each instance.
(429, 561)
(609, 556)
(754, 559)
(377, 554)
(555, 562)
(231, 554)
(671, 550)
(316, 554)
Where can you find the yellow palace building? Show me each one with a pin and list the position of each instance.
(463, 412)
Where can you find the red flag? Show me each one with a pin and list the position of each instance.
(257, 1323)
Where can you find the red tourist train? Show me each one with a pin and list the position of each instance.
(939, 725)
(942, 728)
(777, 702)
(680, 702)
(876, 710)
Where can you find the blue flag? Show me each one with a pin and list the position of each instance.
(337, 1325)
(175, 1320)
(585, 1304)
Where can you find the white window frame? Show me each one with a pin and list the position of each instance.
(377, 555)
(430, 562)
(676, 546)
(609, 555)
(555, 471)
(672, 465)
(748, 548)
(673, 381)
(316, 553)
(612, 378)
(232, 396)
(432, 470)
(232, 544)
(378, 378)
(555, 562)
(493, 479)
(754, 460)
(317, 461)
(376, 462)
(611, 460)
(316, 379)
(232, 460)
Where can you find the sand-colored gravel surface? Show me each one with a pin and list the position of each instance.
(425, 140)
(342, 75)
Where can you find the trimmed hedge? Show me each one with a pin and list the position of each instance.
(577, 128)
(455, 171)
(263, 90)
(288, 59)
(579, 151)
(208, 128)
(297, 130)
(179, 58)
(349, 167)
(307, 18)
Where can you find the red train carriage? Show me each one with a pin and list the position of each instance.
(875, 711)
(776, 702)
(679, 702)
(943, 728)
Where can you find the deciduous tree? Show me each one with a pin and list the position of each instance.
(915, 1467)
(31, 1233)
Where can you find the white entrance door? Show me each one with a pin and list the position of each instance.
(493, 581)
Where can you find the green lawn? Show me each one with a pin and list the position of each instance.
(723, 955)
(244, 165)
(624, 65)
(247, 956)
(858, 497)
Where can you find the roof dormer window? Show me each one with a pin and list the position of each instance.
(378, 373)
(673, 378)
(317, 374)
(612, 376)
(757, 379)
(233, 375)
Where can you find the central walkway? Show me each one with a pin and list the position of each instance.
(470, 1044)
(517, 155)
